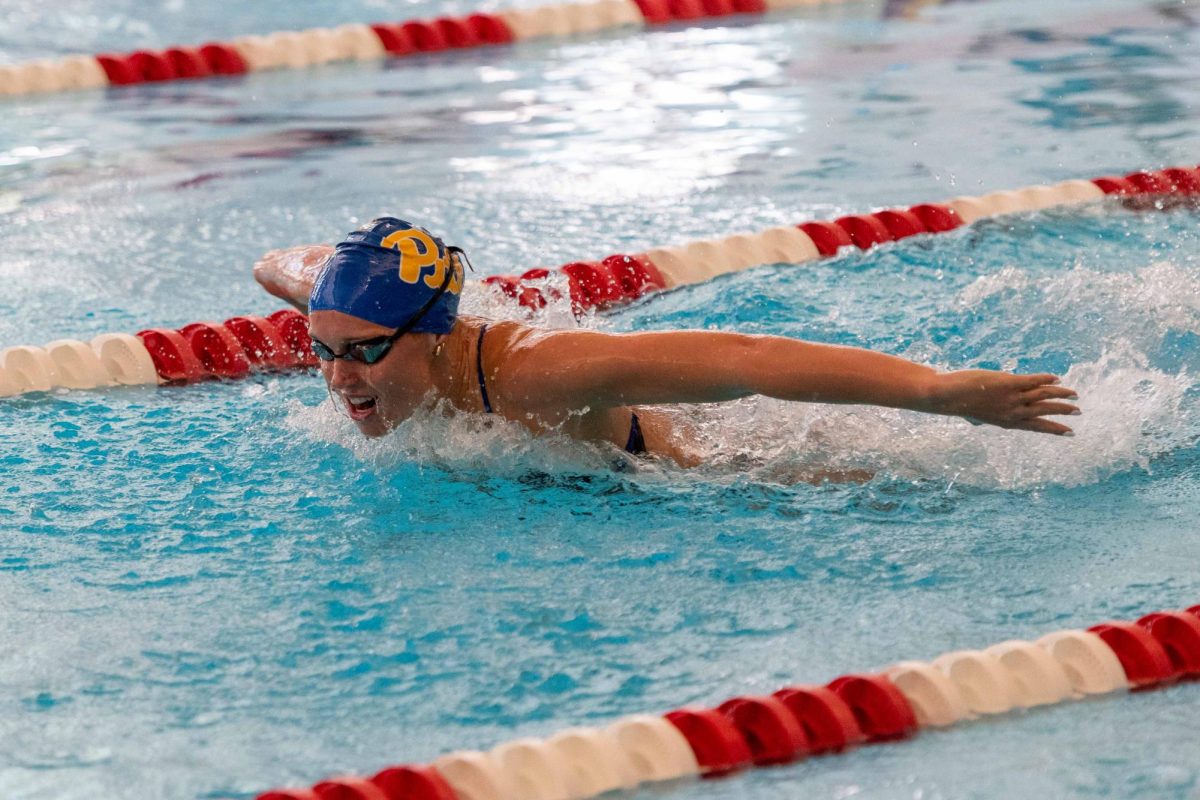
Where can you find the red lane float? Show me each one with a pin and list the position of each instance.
(349, 789)
(219, 351)
(655, 12)
(231, 349)
(1179, 634)
(172, 354)
(489, 29)
(222, 59)
(395, 39)
(118, 70)
(149, 66)
(716, 741)
(635, 274)
(880, 710)
(1111, 184)
(262, 342)
(936, 218)
(293, 329)
(187, 63)
(426, 37)
(1183, 181)
(900, 224)
(865, 230)
(1149, 183)
(828, 723)
(827, 236)
(456, 33)
(176, 63)
(591, 284)
(660, 12)
(770, 730)
(413, 783)
(1144, 660)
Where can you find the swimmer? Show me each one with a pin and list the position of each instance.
(383, 315)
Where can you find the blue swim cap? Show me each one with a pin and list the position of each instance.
(387, 272)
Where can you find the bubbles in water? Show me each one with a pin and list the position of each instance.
(437, 436)
(490, 303)
(1085, 305)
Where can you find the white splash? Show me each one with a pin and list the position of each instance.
(1149, 301)
(437, 436)
(1131, 414)
(490, 303)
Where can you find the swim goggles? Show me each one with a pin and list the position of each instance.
(371, 351)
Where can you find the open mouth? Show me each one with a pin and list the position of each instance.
(359, 407)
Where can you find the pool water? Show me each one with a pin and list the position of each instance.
(210, 590)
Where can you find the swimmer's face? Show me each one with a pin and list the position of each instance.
(376, 396)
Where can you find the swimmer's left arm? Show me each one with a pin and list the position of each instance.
(289, 273)
(576, 368)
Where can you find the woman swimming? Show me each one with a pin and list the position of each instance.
(383, 315)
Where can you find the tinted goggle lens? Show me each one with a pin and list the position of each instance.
(363, 353)
(322, 352)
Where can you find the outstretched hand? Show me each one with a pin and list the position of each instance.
(999, 398)
(289, 273)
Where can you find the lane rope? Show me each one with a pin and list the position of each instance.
(360, 42)
(798, 721)
(242, 346)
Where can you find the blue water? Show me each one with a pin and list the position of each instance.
(210, 590)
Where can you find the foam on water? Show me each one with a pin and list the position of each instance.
(1085, 305)
(436, 436)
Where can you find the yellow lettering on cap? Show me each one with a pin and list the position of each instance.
(412, 261)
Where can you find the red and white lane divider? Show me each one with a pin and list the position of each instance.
(243, 345)
(357, 42)
(621, 278)
(231, 349)
(798, 721)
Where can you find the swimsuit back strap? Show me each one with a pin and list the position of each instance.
(487, 405)
(636, 443)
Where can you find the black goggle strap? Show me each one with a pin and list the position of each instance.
(415, 318)
(430, 303)
(458, 251)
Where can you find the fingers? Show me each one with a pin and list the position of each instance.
(1048, 393)
(1027, 382)
(1047, 407)
(1039, 425)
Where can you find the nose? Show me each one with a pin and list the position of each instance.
(342, 373)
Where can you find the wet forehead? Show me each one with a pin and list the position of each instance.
(335, 328)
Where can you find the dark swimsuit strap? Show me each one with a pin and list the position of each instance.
(487, 405)
(636, 444)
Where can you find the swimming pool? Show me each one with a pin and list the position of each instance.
(214, 589)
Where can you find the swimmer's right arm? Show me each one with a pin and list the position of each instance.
(289, 273)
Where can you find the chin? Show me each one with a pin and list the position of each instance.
(373, 428)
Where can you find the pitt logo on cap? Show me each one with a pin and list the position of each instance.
(419, 252)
